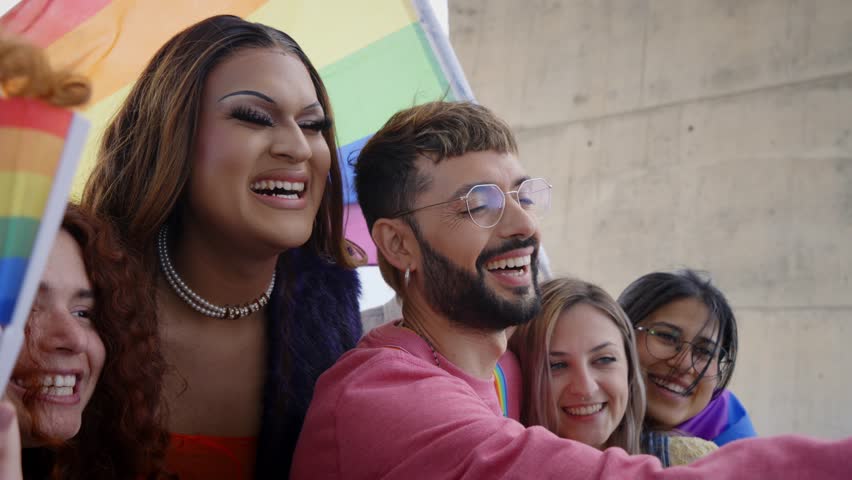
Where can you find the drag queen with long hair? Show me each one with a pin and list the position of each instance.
(221, 172)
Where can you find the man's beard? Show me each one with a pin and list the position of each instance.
(466, 300)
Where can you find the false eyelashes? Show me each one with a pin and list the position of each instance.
(259, 117)
(252, 115)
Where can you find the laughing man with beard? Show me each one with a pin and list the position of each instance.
(455, 220)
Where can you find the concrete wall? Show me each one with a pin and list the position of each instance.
(715, 134)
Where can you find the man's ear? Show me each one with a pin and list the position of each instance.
(396, 242)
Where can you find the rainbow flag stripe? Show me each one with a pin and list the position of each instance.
(33, 137)
(41, 149)
(375, 57)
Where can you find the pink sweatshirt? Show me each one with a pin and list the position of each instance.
(385, 411)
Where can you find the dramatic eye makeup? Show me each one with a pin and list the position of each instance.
(248, 113)
(261, 117)
(251, 115)
(321, 125)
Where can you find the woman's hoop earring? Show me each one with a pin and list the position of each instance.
(407, 275)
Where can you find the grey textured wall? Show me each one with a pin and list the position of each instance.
(714, 134)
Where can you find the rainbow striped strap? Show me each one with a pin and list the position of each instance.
(500, 387)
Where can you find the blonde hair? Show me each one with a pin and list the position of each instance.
(25, 72)
(531, 343)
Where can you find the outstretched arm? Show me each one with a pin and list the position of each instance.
(408, 422)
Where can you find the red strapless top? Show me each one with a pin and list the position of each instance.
(203, 457)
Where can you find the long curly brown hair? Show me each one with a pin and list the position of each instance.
(122, 433)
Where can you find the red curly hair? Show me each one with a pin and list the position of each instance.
(122, 434)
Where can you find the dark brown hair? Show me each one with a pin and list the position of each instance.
(655, 290)
(386, 176)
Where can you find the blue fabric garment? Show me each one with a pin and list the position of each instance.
(656, 444)
(723, 420)
(739, 423)
(313, 318)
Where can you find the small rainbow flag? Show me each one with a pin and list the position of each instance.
(375, 56)
(41, 147)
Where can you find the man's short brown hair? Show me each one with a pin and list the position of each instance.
(386, 175)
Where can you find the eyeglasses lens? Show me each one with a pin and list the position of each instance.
(664, 346)
(485, 204)
(534, 196)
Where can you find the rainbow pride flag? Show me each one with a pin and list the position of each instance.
(41, 145)
(375, 56)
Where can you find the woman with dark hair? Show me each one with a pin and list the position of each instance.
(221, 172)
(89, 377)
(687, 341)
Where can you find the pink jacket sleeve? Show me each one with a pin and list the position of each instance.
(401, 420)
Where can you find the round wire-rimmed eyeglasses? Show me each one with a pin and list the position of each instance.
(486, 202)
(664, 343)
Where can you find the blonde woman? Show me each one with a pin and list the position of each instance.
(582, 379)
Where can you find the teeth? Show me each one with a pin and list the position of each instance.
(59, 380)
(584, 410)
(57, 391)
(514, 262)
(281, 184)
(669, 385)
(46, 381)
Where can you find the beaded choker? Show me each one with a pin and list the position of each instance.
(194, 300)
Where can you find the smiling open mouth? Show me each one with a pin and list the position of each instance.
(279, 189)
(585, 410)
(52, 385)
(513, 266)
(668, 385)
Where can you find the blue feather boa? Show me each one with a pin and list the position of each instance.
(313, 318)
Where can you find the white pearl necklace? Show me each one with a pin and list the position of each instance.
(194, 300)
